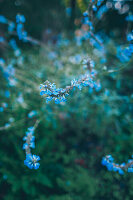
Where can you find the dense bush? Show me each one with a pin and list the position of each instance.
(71, 137)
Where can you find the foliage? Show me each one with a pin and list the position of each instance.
(71, 137)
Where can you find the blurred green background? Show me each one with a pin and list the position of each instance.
(71, 139)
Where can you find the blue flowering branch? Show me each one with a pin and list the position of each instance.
(108, 161)
(50, 91)
(31, 161)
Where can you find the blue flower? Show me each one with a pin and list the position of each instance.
(11, 27)
(2, 39)
(1, 109)
(94, 8)
(31, 129)
(7, 125)
(68, 11)
(42, 92)
(25, 146)
(3, 19)
(32, 161)
(2, 62)
(32, 113)
(129, 18)
(130, 37)
(20, 18)
(121, 171)
(130, 170)
(13, 44)
(7, 94)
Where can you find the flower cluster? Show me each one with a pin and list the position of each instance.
(11, 25)
(22, 34)
(17, 28)
(87, 32)
(51, 92)
(125, 54)
(59, 94)
(96, 39)
(108, 161)
(31, 160)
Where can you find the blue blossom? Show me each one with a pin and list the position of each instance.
(11, 119)
(2, 39)
(130, 170)
(78, 58)
(17, 52)
(13, 44)
(124, 55)
(31, 129)
(7, 125)
(25, 146)
(31, 145)
(94, 8)
(52, 55)
(20, 99)
(129, 18)
(68, 11)
(1, 109)
(3, 19)
(11, 26)
(19, 31)
(131, 48)
(99, 2)
(32, 113)
(20, 18)
(42, 92)
(10, 70)
(5, 105)
(2, 62)
(130, 37)
(32, 161)
(5, 176)
(7, 94)
(103, 60)
(92, 63)
(48, 99)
